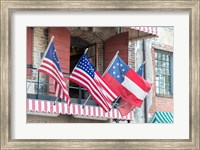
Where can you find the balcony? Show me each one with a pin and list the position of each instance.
(40, 99)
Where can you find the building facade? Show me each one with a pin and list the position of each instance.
(158, 54)
(102, 44)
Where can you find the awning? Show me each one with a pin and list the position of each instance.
(140, 32)
(149, 30)
(75, 110)
(162, 117)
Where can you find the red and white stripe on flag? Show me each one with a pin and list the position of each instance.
(74, 109)
(86, 75)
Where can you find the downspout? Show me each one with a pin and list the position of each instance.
(145, 100)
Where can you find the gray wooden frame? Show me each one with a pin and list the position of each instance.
(7, 7)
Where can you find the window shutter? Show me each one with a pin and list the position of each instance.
(116, 43)
(29, 32)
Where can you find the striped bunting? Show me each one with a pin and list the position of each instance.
(74, 109)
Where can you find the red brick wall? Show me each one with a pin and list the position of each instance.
(62, 45)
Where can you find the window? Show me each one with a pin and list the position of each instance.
(163, 62)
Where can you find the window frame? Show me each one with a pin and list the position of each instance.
(170, 54)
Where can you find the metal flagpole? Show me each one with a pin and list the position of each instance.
(118, 98)
(46, 50)
(55, 101)
(41, 61)
(86, 50)
(112, 61)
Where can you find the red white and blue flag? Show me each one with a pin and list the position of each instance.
(130, 86)
(51, 66)
(88, 77)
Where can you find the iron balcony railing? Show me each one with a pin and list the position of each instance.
(38, 88)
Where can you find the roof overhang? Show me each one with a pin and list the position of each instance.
(141, 32)
(98, 34)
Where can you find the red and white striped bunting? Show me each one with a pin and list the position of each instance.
(74, 109)
(150, 30)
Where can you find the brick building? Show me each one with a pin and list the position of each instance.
(102, 44)
(158, 53)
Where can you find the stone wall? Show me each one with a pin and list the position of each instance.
(165, 40)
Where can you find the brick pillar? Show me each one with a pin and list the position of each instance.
(40, 42)
(131, 54)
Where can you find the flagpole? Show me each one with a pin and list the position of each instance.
(89, 95)
(118, 98)
(55, 101)
(41, 61)
(86, 101)
(86, 50)
(112, 61)
(52, 38)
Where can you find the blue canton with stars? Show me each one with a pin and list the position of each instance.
(51, 54)
(86, 66)
(118, 69)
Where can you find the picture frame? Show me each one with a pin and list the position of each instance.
(8, 7)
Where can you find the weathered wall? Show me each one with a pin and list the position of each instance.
(99, 56)
(39, 45)
(163, 42)
(61, 119)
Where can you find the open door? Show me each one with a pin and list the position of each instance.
(116, 43)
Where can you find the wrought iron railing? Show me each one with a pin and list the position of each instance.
(38, 88)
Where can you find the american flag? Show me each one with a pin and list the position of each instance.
(86, 75)
(51, 66)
